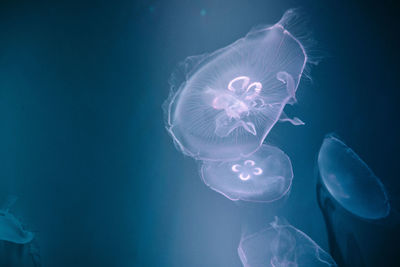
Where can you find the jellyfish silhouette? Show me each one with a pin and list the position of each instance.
(264, 176)
(16, 246)
(350, 181)
(230, 99)
(281, 245)
(11, 228)
(363, 229)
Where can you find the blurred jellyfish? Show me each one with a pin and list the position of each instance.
(11, 228)
(350, 181)
(265, 176)
(16, 246)
(230, 99)
(281, 245)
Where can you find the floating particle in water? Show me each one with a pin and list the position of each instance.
(265, 176)
(282, 245)
(350, 181)
(229, 100)
(11, 229)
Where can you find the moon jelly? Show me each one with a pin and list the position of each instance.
(282, 245)
(231, 98)
(350, 181)
(265, 176)
(11, 228)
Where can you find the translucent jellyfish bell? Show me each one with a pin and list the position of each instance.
(282, 245)
(11, 229)
(350, 181)
(230, 99)
(265, 176)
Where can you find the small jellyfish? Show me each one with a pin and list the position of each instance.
(11, 229)
(230, 99)
(350, 181)
(282, 245)
(17, 247)
(264, 176)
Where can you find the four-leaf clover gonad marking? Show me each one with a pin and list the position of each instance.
(240, 97)
(246, 170)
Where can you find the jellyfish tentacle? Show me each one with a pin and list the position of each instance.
(224, 125)
(295, 121)
(235, 107)
(249, 126)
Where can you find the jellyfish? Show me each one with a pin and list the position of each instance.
(281, 245)
(350, 181)
(11, 228)
(16, 246)
(230, 99)
(264, 176)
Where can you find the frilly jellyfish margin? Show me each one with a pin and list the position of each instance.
(350, 181)
(11, 229)
(281, 245)
(15, 237)
(223, 108)
(223, 105)
(265, 176)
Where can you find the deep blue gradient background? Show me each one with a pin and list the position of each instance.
(82, 139)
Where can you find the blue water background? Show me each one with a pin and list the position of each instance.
(82, 138)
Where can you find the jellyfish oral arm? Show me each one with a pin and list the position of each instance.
(236, 103)
(294, 120)
(224, 126)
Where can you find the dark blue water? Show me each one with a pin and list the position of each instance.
(82, 139)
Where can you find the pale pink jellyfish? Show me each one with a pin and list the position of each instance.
(350, 181)
(11, 229)
(282, 245)
(265, 176)
(230, 99)
(17, 246)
